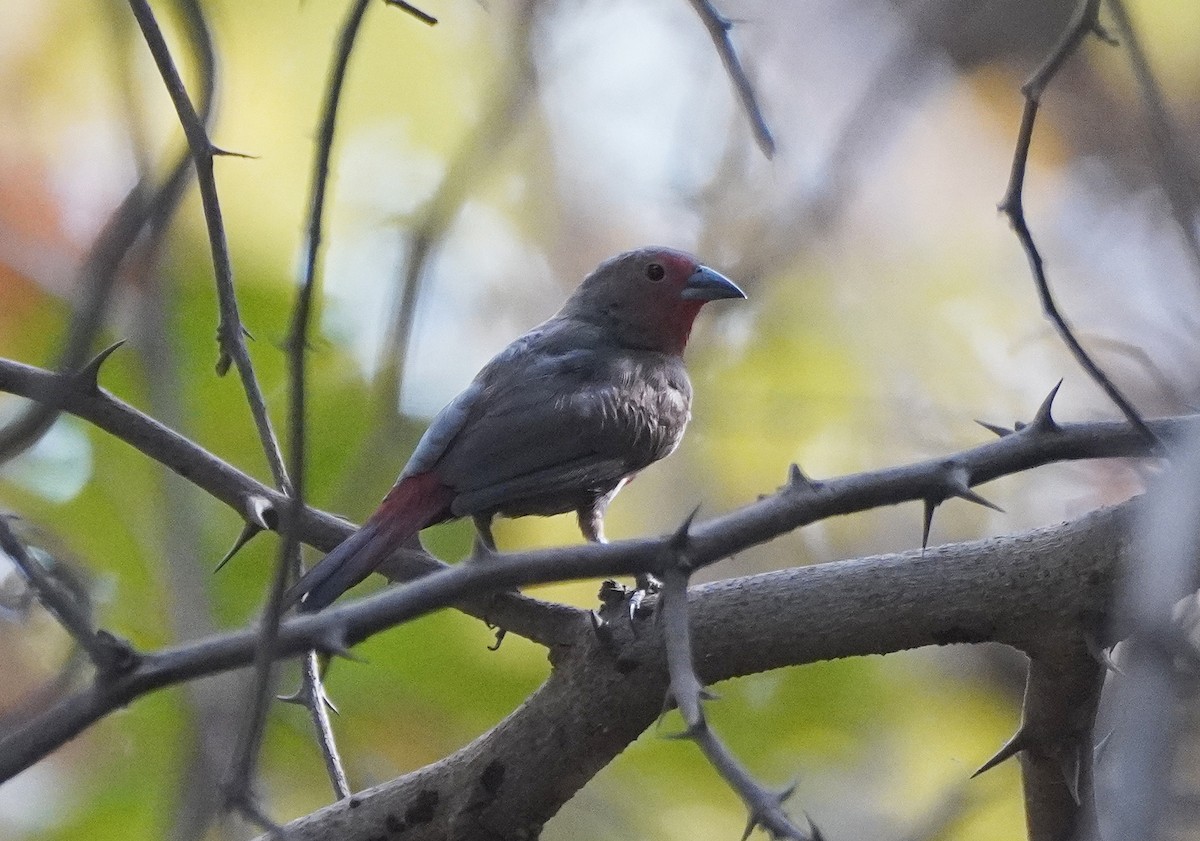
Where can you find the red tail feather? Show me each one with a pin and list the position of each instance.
(411, 505)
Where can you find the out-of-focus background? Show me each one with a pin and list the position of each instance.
(889, 306)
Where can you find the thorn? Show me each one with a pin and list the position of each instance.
(998, 431)
(328, 702)
(1069, 764)
(1007, 751)
(960, 487)
(261, 512)
(931, 505)
(424, 17)
(1043, 421)
(812, 828)
(87, 378)
(707, 694)
(296, 697)
(218, 152)
(797, 477)
(786, 795)
(224, 360)
(333, 642)
(680, 539)
(501, 633)
(751, 825)
(1101, 746)
(249, 530)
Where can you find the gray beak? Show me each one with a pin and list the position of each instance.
(707, 285)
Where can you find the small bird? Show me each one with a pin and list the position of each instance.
(558, 421)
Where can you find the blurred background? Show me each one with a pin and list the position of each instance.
(482, 167)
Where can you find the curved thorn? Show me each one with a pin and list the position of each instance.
(249, 530)
(218, 152)
(88, 377)
(1044, 421)
(501, 633)
(296, 697)
(998, 431)
(1008, 750)
(797, 478)
(680, 539)
(959, 485)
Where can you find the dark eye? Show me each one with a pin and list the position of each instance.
(655, 272)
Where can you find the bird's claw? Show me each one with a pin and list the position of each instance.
(647, 585)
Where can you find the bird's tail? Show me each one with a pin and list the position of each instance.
(411, 505)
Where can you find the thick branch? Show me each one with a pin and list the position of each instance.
(1028, 591)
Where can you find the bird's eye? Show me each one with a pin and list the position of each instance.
(655, 272)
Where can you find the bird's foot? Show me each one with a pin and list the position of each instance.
(616, 599)
(646, 585)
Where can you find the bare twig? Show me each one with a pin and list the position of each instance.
(108, 654)
(424, 17)
(1178, 180)
(1082, 23)
(719, 27)
(289, 557)
(313, 697)
(231, 332)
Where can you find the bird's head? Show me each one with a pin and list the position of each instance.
(649, 298)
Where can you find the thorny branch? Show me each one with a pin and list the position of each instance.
(312, 694)
(719, 27)
(1083, 23)
(799, 502)
(1177, 178)
(688, 692)
(108, 654)
(231, 333)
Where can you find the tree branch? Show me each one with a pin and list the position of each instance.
(1022, 591)
(231, 332)
(1012, 205)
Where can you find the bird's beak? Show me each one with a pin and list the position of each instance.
(707, 285)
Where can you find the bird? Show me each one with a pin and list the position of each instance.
(558, 421)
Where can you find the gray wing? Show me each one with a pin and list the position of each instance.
(547, 425)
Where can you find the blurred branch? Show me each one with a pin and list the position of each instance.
(1177, 177)
(1161, 572)
(480, 150)
(719, 27)
(231, 332)
(1083, 23)
(108, 654)
(288, 567)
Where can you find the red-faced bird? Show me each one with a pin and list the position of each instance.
(558, 421)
